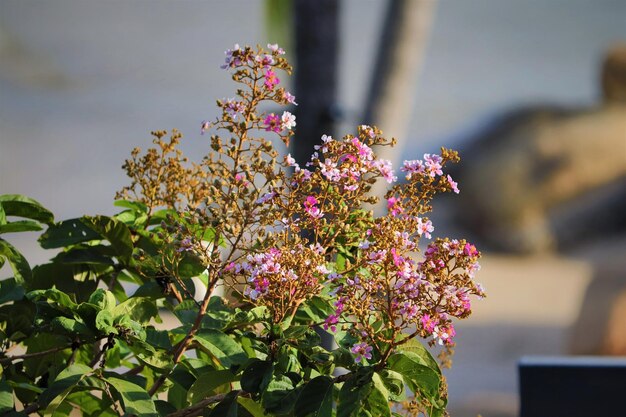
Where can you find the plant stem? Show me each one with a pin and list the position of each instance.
(198, 408)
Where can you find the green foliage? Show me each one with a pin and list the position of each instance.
(111, 325)
(83, 329)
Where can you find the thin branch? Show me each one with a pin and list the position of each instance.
(9, 359)
(33, 407)
(199, 407)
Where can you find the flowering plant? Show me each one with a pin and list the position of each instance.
(294, 250)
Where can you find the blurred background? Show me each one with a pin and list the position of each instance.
(533, 94)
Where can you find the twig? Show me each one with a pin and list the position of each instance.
(34, 354)
(31, 408)
(198, 408)
(184, 344)
(136, 370)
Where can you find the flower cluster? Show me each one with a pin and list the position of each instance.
(282, 279)
(279, 239)
(304, 244)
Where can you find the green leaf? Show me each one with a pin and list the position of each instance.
(19, 264)
(6, 396)
(58, 299)
(393, 382)
(67, 233)
(255, 409)
(97, 254)
(103, 299)
(415, 347)
(190, 266)
(316, 399)
(158, 338)
(317, 309)
(363, 395)
(416, 374)
(77, 280)
(274, 397)
(132, 205)
(256, 376)
(10, 291)
(164, 408)
(139, 309)
(63, 384)
(113, 230)
(71, 326)
(90, 405)
(352, 396)
(227, 407)
(159, 359)
(378, 402)
(20, 226)
(22, 206)
(135, 399)
(208, 384)
(3, 216)
(221, 347)
(105, 322)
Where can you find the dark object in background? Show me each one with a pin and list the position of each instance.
(572, 386)
(539, 178)
(316, 69)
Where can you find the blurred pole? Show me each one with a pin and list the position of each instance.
(317, 41)
(316, 69)
(401, 51)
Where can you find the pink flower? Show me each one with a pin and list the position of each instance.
(288, 120)
(428, 323)
(204, 127)
(271, 80)
(377, 256)
(393, 206)
(424, 228)
(330, 171)
(232, 57)
(331, 322)
(385, 169)
(289, 98)
(272, 123)
(444, 335)
(265, 60)
(415, 166)
(453, 184)
(291, 161)
(364, 151)
(433, 164)
(361, 350)
(470, 250)
(453, 247)
(410, 310)
(239, 178)
(472, 269)
(310, 206)
(234, 108)
(275, 48)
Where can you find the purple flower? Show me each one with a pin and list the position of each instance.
(290, 98)
(361, 350)
(271, 80)
(454, 185)
(272, 123)
(204, 127)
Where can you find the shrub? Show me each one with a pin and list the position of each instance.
(112, 324)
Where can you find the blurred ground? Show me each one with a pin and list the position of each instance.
(82, 83)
